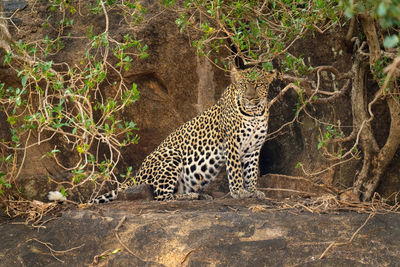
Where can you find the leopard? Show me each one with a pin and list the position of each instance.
(230, 133)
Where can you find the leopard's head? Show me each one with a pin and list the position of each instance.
(251, 90)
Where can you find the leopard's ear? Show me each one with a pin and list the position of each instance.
(269, 76)
(235, 74)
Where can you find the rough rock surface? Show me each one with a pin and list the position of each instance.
(222, 232)
(175, 84)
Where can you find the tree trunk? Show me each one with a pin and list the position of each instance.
(386, 154)
(5, 36)
(375, 159)
(361, 123)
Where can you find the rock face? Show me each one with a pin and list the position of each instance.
(223, 232)
(175, 85)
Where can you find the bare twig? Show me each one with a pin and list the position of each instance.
(184, 260)
(97, 257)
(53, 251)
(288, 190)
(281, 93)
(334, 244)
(119, 239)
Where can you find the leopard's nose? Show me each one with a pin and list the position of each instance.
(250, 93)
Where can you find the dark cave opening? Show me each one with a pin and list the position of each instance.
(270, 158)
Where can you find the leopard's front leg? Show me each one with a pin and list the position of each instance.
(250, 171)
(234, 170)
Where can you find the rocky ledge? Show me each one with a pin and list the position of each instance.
(222, 232)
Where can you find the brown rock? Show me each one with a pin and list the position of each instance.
(140, 192)
(201, 233)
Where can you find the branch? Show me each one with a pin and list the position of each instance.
(335, 96)
(310, 91)
(334, 243)
(368, 24)
(281, 93)
(53, 251)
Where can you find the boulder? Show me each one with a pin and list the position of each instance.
(222, 232)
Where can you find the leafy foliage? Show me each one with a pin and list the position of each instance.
(386, 12)
(58, 101)
(257, 31)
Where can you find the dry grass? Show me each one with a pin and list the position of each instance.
(330, 203)
(35, 212)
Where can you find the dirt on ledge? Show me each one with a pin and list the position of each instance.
(221, 232)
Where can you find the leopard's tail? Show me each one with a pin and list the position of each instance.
(107, 197)
(113, 194)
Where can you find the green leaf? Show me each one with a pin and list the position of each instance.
(63, 192)
(267, 66)
(12, 120)
(9, 158)
(382, 9)
(7, 58)
(116, 250)
(391, 41)
(24, 80)
(143, 55)
(321, 144)
(168, 2)
(348, 12)
(3, 182)
(80, 149)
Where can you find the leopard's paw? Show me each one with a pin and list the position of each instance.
(258, 194)
(205, 197)
(240, 193)
(186, 196)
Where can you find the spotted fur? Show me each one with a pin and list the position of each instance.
(230, 133)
